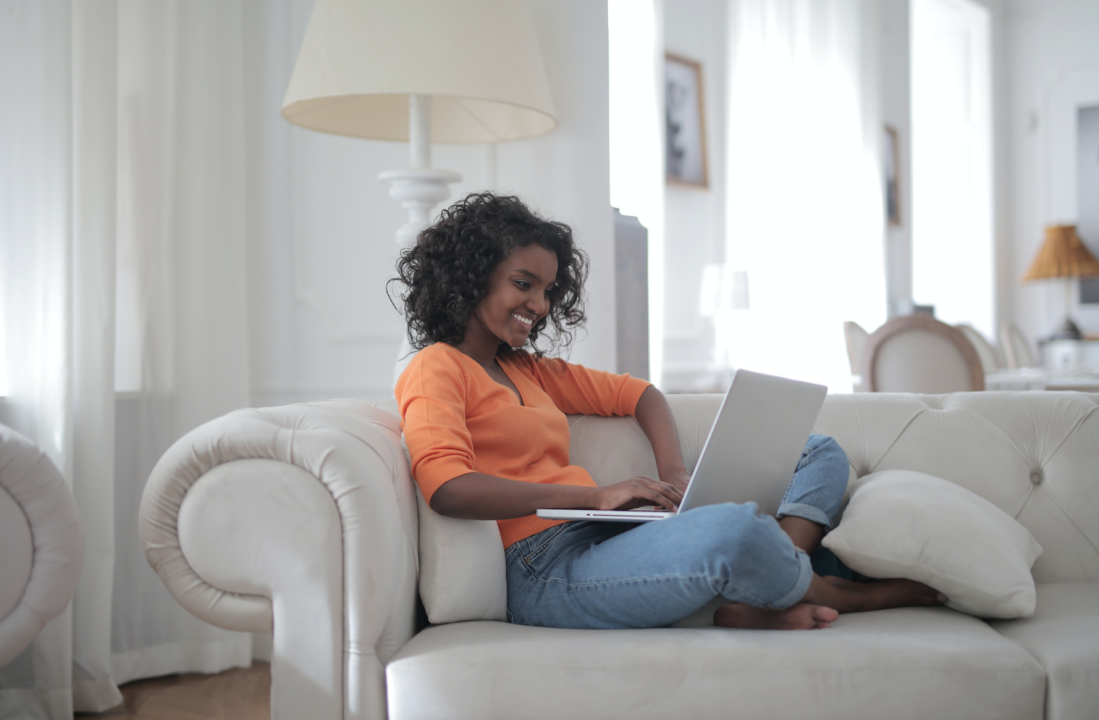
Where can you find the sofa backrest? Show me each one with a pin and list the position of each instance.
(1034, 455)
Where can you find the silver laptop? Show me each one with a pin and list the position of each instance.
(751, 452)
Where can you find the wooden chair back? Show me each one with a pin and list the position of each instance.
(917, 353)
(1016, 348)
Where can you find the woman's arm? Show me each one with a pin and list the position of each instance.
(603, 395)
(477, 496)
(655, 417)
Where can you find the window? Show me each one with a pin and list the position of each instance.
(952, 250)
(805, 222)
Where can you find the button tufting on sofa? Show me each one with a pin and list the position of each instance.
(1036, 477)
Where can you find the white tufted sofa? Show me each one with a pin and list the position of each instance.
(304, 519)
(41, 547)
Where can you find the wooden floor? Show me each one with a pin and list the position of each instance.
(241, 694)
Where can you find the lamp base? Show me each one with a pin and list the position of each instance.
(419, 190)
(1067, 330)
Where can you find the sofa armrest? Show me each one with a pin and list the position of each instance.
(301, 519)
(41, 545)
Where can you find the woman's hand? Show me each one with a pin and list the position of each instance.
(676, 477)
(637, 492)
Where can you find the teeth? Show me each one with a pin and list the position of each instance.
(520, 318)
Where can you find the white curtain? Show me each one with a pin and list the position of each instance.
(122, 266)
(804, 189)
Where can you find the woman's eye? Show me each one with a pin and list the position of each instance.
(523, 284)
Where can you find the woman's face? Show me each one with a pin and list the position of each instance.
(516, 298)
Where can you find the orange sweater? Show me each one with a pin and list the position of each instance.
(457, 420)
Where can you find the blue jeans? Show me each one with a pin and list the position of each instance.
(622, 575)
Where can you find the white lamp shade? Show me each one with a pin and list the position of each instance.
(478, 59)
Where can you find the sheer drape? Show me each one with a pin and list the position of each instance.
(122, 258)
(804, 195)
(36, 219)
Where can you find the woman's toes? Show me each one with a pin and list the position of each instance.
(802, 616)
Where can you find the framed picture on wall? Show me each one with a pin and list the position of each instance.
(891, 153)
(684, 128)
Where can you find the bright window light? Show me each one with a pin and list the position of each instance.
(952, 252)
(805, 227)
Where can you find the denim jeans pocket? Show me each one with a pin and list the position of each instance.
(544, 542)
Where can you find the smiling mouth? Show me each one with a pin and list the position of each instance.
(527, 322)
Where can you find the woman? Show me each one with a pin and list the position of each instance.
(486, 429)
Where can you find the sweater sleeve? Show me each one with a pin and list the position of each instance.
(432, 398)
(576, 389)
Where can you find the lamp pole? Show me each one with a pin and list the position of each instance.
(419, 188)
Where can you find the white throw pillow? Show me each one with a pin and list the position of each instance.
(904, 524)
(462, 571)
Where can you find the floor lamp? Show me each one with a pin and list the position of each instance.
(421, 71)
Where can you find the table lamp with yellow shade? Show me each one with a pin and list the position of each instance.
(1063, 255)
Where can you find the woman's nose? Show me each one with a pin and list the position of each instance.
(540, 305)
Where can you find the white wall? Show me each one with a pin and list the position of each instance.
(1053, 65)
(321, 224)
(566, 174)
(1045, 60)
(694, 220)
(897, 112)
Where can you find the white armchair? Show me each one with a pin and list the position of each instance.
(41, 547)
(989, 353)
(856, 337)
(1016, 347)
(295, 493)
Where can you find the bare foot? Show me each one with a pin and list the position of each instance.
(848, 596)
(802, 616)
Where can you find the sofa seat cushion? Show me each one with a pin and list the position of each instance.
(1063, 634)
(905, 663)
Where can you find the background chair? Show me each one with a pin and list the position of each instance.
(856, 337)
(917, 353)
(1017, 350)
(41, 546)
(989, 354)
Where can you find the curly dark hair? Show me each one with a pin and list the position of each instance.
(447, 272)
